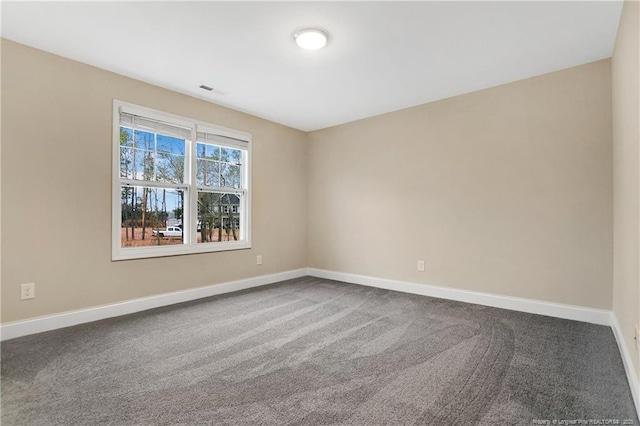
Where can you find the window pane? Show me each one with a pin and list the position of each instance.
(143, 140)
(230, 175)
(136, 164)
(126, 136)
(218, 166)
(208, 172)
(208, 151)
(169, 167)
(218, 217)
(144, 164)
(151, 216)
(151, 156)
(231, 155)
(170, 145)
(126, 162)
(231, 170)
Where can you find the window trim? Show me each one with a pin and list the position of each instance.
(190, 245)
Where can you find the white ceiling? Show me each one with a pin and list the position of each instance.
(381, 57)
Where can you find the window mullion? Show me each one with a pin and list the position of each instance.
(193, 190)
(155, 156)
(245, 202)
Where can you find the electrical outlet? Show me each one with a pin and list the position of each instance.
(27, 291)
(259, 259)
(421, 265)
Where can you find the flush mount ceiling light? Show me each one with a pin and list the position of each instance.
(311, 38)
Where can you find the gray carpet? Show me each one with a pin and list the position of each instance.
(316, 352)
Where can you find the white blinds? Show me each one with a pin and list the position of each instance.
(141, 119)
(215, 139)
(154, 126)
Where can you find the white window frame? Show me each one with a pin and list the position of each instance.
(190, 215)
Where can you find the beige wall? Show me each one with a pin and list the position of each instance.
(506, 191)
(0, 183)
(626, 176)
(56, 189)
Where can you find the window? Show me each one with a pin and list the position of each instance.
(180, 186)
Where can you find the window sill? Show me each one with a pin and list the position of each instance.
(177, 250)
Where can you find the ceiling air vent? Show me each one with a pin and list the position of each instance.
(207, 88)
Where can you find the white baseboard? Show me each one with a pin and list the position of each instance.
(627, 361)
(578, 313)
(14, 329)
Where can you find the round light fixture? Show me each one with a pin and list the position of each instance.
(311, 39)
